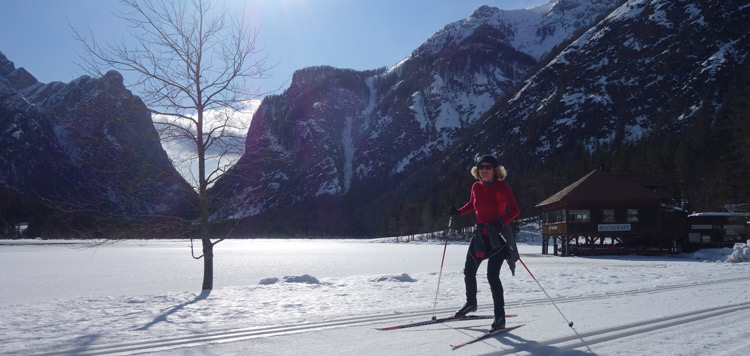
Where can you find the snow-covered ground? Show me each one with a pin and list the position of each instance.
(326, 297)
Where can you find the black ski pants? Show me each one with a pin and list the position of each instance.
(494, 259)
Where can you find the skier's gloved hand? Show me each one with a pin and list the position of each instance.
(498, 225)
(452, 211)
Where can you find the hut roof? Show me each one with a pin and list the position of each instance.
(600, 186)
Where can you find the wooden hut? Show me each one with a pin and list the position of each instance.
(602, 213)
(717, 229)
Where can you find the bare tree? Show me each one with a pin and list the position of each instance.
(192, 65)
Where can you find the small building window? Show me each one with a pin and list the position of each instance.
(579, 216)
(608, 216)
(632, 215)
(554, 217)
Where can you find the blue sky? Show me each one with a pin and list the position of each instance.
(356, 34)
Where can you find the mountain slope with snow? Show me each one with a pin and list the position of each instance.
(88, 145)
(649, 66)
(655, 88)
(334, 130)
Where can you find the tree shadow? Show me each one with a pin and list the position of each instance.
(164, 316)
(83, 342)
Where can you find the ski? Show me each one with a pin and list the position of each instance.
(440, 321)
(487, 335)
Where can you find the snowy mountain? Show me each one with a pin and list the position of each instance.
(532, 31)
(88, 145)
(649, 66)
(335, 131)
(668, 78)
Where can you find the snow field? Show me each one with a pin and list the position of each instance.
(279, 297)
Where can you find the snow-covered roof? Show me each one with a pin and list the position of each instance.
(718, 213)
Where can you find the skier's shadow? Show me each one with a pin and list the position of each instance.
(517, 344)
(163, 317)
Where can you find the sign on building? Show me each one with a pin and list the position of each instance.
(614, 227)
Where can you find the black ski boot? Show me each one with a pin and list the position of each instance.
(466, 309)
(498, 324)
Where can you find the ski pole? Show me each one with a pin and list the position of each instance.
(570, 323)
(434, 307)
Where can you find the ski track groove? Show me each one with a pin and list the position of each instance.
(626, 330)
(251, 333)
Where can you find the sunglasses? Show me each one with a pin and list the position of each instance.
(485, 166)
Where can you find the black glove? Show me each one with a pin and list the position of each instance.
(498, 225)
(452, 211)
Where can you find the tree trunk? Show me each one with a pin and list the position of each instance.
(208, 264)
(208, 246)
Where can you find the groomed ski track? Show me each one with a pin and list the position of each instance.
(545, 333)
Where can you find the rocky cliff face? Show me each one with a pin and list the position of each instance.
(333, 128)
(88, 145)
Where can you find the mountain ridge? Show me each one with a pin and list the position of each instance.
(379, 123)
(88, 146)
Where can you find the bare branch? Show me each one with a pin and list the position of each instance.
(192, 64)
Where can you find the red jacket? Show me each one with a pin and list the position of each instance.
(490, 201)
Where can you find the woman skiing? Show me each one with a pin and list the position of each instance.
(495, 207)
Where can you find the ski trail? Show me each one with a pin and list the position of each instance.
(621, 331)
(592, 337)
